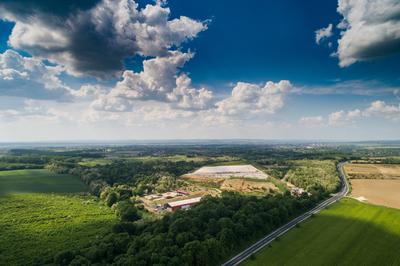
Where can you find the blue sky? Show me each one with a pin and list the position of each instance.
(76, 72)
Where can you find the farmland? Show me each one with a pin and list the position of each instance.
(375, 191)
(348, 233)
(375, 183)
(40, 181)
(40, 218)
(372, 171)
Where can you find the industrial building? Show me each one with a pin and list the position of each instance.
(182, 204)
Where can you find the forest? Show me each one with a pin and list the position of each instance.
(203, 235)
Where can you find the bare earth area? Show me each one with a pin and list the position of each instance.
(247, 186)
(377, 191)
(228, 171)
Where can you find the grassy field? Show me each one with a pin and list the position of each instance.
(41, 181)
(34, 226)
(348, 233)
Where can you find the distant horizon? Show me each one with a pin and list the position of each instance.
(126, 142)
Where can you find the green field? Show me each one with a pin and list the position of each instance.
(34, 226)
(348, 233)
(41, 181)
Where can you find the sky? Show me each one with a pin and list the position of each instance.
(128, 70)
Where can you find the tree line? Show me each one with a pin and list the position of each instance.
(207, 234)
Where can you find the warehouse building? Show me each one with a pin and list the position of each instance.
(183, 204)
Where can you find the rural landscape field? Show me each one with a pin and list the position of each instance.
(375, 183)
(84, 206)
(348, 233)
(44, 213)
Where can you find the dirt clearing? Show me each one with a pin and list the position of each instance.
(377, 191)
(247, 186)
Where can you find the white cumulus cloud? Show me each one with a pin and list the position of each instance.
(248, 98)
(370, 29)
(160, 81)
(31, 78)
(376, 109)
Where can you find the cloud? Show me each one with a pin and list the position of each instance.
(311, 121)
(376, 109)
(248, 98)
(370, 29)
(323, 33)
(89, 92)
(29, 77)
(336, 117)
(33, 109)
(349, 87)
(380, 108)
(95, 41)
(160, 81)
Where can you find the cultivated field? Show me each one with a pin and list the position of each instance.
(19, 181)
(35, 226)
(348, 233)
(377, 191)
(375, 183)
(372, 171)
(228, 171)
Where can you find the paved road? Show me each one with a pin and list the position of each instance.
(283, 229)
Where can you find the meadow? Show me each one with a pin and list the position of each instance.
(43, 214)
(347, 233)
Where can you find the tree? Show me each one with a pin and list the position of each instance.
(112, 198)
(127, 212)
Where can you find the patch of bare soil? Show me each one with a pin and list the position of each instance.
(247, 186)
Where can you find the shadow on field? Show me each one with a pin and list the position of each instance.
(334, 240)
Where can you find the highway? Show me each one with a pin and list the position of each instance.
(283, 229)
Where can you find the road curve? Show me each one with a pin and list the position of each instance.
(283, 229)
